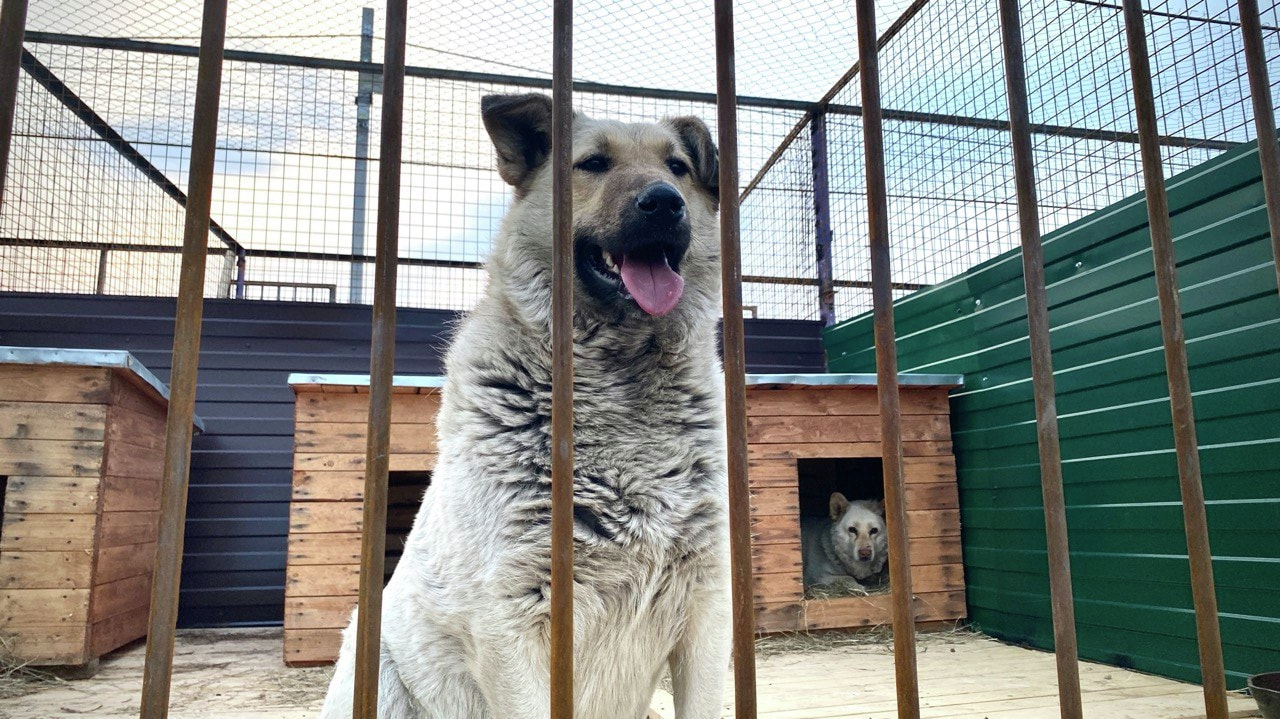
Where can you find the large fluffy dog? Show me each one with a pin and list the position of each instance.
(465, 619)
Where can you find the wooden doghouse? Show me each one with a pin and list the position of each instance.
(799, 430)
(81, 458)
(809, 435)
(325, 517)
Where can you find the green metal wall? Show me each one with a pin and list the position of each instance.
(1128, 550)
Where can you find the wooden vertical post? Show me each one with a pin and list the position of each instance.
(735, 367)
(1208, 633)
(562, 362)
(373, 541)
(1055, 513)
(166, 575)
(904, 627)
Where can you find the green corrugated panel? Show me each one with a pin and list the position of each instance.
(1129, 565)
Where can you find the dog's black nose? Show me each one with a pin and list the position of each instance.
(661, 204)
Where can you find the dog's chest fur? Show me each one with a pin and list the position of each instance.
(649, 494)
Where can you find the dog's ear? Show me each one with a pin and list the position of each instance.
(696, 139)
(837, 506)
(520, 127)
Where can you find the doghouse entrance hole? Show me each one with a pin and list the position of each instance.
(404, 496)
(4, 486)
(855, 478)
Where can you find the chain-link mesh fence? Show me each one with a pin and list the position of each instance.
(101, 144)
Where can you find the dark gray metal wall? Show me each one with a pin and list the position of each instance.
(233, 569)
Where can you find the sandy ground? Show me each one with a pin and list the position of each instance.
(239, 674)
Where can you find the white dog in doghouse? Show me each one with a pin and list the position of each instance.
(846, 551)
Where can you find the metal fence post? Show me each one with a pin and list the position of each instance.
(904, 627)
(822, 220)
(373, 541)
(1055, 513)
(166, 575)
(13, 24)
(1208, 633)
(360, 184)
(561, 655)
(744, 659)
(1264, 120)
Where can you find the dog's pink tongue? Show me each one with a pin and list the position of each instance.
(654, 285)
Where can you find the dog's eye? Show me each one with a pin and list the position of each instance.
(853, 531)
(677, 167)
(595, 164)
(875, 530)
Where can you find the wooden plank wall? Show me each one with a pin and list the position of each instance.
(325, 518)
(786, 425)
(82, 451)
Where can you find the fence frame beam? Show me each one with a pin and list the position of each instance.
(1264, 119)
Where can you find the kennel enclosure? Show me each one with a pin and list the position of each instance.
(80, 467)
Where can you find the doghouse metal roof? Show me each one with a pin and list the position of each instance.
(118, 359)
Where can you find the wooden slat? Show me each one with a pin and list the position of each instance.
(121, 595)
(777, 557)
(50, 458)
(793, 430)
(778, 587)
(129, 460)
(51, 645)
(405, 409)
(771, 472)
(47, 532)
(135, 428)
(43, 607)
(322, 580)
(51, 495)
(324, 549)
(936, 577)
(774, 529)
(30, 383)
(341, 437)
(775, 500)
(929, 469)
(128, 391)
(118, 630)
(876, 610)
(45, 570)
(311, 646)
(932, 495)
(801, 402)
(127, 528)
(311, 485)
(124, 561)
(935, 550)
(122, 494)
(325, 517)
(318, 612)
(933, 523)
(780, 617)
(321, 462)
(802, 450)
(51, 420)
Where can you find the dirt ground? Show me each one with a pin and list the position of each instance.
(239, 674)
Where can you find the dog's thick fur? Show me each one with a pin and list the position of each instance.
(846, 550)
(465, 616)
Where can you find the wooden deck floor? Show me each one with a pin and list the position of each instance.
(238, 674)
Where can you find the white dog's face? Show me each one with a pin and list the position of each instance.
(644, 203)
(859, 532)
